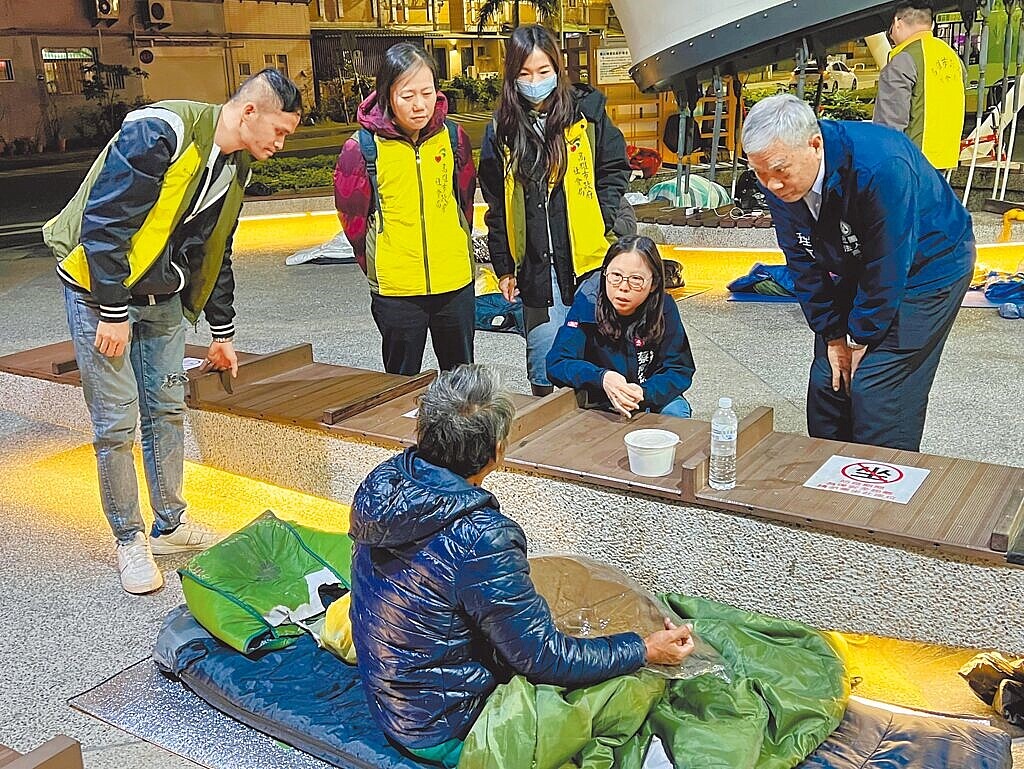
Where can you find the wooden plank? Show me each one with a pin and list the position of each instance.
(58, 753)
(540, 413)
(588, 446)
(215, 384)
(387, 424)
(334, 414)
(63, 366)
(1009, 522)
(949, 510)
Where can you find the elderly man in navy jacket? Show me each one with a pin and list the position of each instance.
(443, 607)
(882, 253)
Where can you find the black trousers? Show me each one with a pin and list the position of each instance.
(404, 321)
(888, 398)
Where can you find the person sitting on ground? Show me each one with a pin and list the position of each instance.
(443, 607)
(623, 343)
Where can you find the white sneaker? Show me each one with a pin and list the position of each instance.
(188, 536)
(139, 573)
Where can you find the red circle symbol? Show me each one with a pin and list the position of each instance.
(872, 472)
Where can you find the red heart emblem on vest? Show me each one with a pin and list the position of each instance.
(572, 148)
(437, 158)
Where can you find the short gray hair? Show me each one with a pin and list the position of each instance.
(782, 117)
(463, 416)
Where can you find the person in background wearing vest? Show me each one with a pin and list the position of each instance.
(881, 253)
(145, 241)
(404, 187)
(921, 91)
(553, 170)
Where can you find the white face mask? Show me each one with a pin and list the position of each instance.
(535, 93)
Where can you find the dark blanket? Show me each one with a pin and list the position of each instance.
(309, 699)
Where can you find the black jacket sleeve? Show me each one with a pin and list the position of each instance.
(491, 175)
(124, 192)
(611, 168)
(220, 308)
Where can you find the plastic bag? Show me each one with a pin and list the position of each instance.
(590, 599)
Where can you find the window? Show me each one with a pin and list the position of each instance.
(279, 62)
(244, 69)
(63, 68)
(6, 70)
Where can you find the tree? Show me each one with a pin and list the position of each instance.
(492, 8)
(104, 83)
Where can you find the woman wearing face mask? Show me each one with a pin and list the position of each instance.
(623, 342)
(553, 171)
(404, 187)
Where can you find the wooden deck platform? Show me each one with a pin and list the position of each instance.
(962, 507)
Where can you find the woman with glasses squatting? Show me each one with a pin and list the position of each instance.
(623, 343)
(553, 171)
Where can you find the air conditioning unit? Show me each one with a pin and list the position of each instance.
(108, 11)
(159, 13)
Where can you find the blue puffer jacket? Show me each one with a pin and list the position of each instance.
(443, 608)
(580, 355)
(889, 225)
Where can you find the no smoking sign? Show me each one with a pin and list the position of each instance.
(872, 472)
(864, 478)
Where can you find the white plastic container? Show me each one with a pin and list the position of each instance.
(651, 452)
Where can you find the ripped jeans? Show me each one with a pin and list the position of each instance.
(147, 381)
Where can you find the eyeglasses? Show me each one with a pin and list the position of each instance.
(635, 282)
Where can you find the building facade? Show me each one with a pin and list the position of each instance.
(203, 49)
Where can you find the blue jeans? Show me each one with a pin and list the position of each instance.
(680, 407)
(149, 380)
(542, 323)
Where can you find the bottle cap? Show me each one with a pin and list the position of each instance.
(725, 403)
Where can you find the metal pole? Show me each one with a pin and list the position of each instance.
(1003, 100)
(682, 135)
(1016, 100)
(801, 68)
(737, 126)
(716, 131)
(982, 61)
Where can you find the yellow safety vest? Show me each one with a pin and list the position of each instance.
(937, 101)
(585, 221)
(417, 241)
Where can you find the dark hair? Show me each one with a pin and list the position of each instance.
(463, 417)
(399, 59)
(270, 81)
(921, 11)
(514, 127)
(648, 322)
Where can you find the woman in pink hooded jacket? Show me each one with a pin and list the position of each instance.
(404, 187)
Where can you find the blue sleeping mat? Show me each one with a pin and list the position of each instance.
(306, 698)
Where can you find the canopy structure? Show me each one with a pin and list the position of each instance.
(692, 38)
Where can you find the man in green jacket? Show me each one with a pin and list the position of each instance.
(921, 90)
(144, 244)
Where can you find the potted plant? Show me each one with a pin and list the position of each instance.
(53, 121)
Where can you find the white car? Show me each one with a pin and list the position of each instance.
(837, 75)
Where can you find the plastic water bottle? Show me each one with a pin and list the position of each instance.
(722, 469)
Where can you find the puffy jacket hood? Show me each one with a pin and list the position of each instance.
(407, 499)
(373, 118)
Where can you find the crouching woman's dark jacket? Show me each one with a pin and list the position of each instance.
(581, 355)
(443, 608)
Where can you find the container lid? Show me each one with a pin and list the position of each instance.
(651, 438)
(725, 403)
